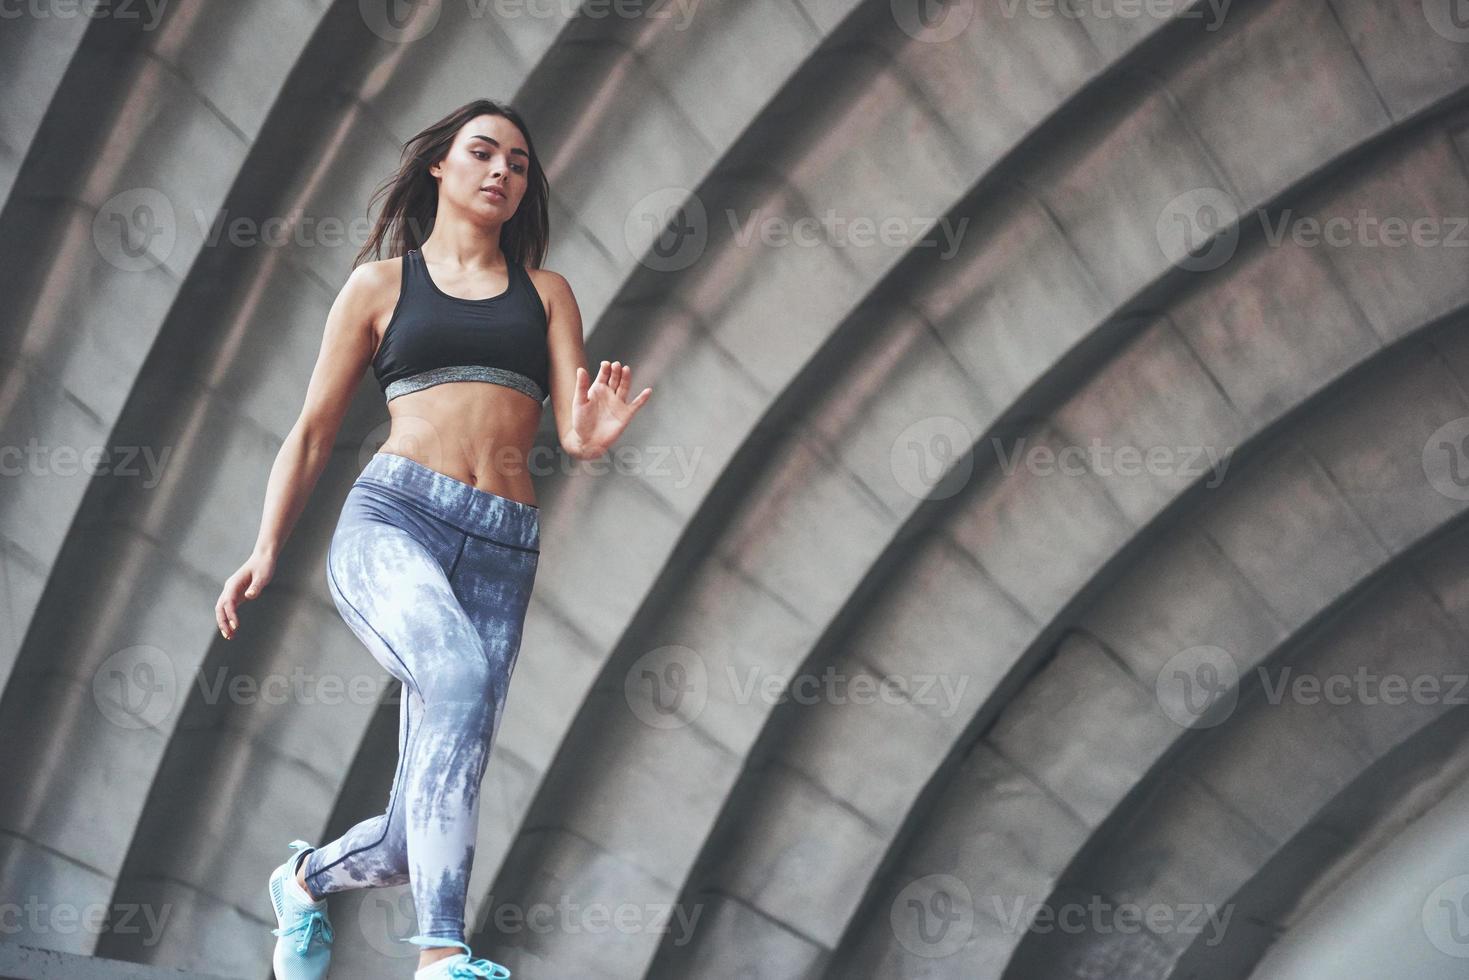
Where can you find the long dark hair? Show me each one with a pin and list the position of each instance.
(412, 193)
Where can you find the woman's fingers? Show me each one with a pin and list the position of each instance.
(229, 619)
(227, 609)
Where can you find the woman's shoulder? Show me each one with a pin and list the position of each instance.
(550, 284)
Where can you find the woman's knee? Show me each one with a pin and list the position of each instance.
(465, 678)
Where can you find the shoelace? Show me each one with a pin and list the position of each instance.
(310, 924)
(470, 969)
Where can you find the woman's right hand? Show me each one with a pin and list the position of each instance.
(241, 587)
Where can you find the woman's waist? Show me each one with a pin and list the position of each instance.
(503, 473)
(414, 484)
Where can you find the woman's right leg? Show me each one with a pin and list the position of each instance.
(387, 574)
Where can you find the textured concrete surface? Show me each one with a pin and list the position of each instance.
(875, 673)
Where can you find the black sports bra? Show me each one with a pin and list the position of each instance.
(434, 337)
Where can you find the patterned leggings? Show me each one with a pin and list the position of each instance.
(435, 576)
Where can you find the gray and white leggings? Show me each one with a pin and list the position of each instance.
(435, 576)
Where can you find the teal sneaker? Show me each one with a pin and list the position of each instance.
(303, 950)
(456, 967)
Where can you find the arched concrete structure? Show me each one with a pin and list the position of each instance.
(824, 486)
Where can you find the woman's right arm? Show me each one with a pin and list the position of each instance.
(346, 350)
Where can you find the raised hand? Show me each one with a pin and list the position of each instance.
(600, 410)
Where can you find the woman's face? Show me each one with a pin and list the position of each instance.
(488, 152)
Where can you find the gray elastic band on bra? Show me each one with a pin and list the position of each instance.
(465, 372)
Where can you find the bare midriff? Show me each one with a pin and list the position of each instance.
(473, 431)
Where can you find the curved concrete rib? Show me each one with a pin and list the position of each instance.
(1068, 749)
(1360, 821)
(34, 56)
(1243, 785)
(802, 836)
(1390, 910)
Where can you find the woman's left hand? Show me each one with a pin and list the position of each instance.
(600, 410)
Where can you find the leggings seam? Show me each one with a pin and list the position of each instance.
(353, 606)
(457, 556)
(502, 544)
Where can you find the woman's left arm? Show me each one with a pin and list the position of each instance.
(591, 414)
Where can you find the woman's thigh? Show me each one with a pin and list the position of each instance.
(386, 572)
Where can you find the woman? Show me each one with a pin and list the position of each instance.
(435, 553)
